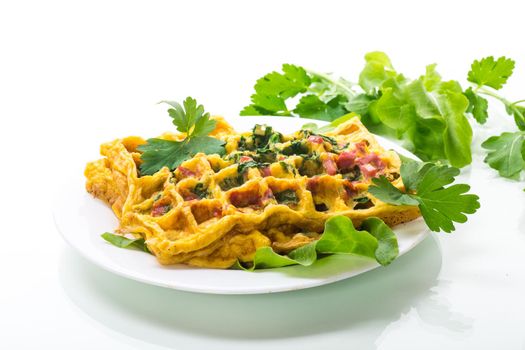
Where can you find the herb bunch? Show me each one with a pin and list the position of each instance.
(431, 116)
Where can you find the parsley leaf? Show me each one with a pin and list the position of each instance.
(158, 153)
(311, 106)
(190, 119)
(478, 106)
(518, 112)
(377, 241)
(274, 88)
(490, 72)
(388, 193)
(506, 153)
(440, 206)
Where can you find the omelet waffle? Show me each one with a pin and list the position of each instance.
(268, 189)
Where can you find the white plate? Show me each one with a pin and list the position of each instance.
(81, 219)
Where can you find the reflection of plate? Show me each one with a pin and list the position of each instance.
(81, 219)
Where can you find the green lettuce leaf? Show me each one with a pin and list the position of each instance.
(124, 242)
(378, 242)
(378, 69)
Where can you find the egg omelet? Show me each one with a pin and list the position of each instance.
(268, 189)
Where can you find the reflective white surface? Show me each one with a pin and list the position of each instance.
(73, 72)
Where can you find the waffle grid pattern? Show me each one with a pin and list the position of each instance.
(206, 213)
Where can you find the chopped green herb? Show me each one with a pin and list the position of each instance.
(200, 190)
(262, 135)
(243, 167)
(230, 182)
(245, 143)
(286, 197)
(287, 168)
(352, 174)
(295, 148)
(265, 156)
(311, 166)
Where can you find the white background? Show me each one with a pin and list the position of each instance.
(74, 74)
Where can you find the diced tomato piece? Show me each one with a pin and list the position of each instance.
(315, 139)
(330, 166)
(186, 172)
(245, 159)
(281, 157)
(346, 160)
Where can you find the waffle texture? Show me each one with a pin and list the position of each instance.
(268, 189)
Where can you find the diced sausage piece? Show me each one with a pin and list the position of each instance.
(313, 184)
(217, 212)
(350, 190)
(360, 148)
(268, 194)
(160, 210)
(315, 139)
(242, 199)
(368, 170)
(265, 171)
(190, 196)
(186, 172)
(330, 166)
(370, 165)
(346, 160)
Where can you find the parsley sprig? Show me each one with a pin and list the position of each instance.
(505, 152)
(425, 186)
(190, 119)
